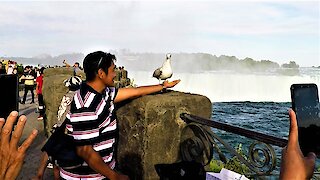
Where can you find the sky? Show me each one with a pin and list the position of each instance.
(279, 31)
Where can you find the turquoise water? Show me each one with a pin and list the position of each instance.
(265, 117)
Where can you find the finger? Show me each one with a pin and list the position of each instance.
(14, 170)
(311, 158)
(310, 161)
(284, 150)
(293, 133)
(2, 121)
(26, 144)
(6, 131)
(16, 135)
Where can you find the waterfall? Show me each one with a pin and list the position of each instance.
(228, 87)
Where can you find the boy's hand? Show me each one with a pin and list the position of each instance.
(171, 84)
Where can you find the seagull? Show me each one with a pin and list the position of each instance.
(165, 71)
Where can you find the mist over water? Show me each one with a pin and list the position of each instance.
(230, 87)
(222, 79)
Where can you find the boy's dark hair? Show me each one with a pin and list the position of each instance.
(96, 60)
(41, 70)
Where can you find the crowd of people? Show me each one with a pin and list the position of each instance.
(8, 67)
(93, 128)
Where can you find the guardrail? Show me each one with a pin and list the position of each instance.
(261, 158)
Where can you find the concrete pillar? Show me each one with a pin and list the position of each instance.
(150, 129)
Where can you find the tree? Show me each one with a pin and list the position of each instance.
(291, 64)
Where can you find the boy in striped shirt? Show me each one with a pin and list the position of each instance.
(92, 121)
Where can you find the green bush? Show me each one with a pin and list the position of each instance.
(232, 164)
(216, 165)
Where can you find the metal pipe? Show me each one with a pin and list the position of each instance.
(236, 130)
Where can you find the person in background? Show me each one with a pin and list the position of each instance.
(66, 64)
(11, 154)
(294, 166)
(28, 78)
(15, 71)
(10, 69)
(2, 69)
(39, 81)
(76, 69)
(92, 122)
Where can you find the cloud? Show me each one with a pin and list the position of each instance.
(161, 26)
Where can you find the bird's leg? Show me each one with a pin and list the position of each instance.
(163, 90)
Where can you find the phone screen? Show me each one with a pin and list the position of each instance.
(9, 97)
(305, 103)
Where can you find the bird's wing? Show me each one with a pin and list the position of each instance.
(157, 73)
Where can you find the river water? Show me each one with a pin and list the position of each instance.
(259, 102)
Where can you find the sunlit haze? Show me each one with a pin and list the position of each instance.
(269, 30)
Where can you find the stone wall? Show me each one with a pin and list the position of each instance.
(150, 129)
(53, 91)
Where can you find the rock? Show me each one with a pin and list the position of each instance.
(53, 91)
(150, 129)
(59, 71)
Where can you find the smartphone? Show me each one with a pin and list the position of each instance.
(9, 94)
(305, 103)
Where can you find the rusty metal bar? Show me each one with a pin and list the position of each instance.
(236, 130)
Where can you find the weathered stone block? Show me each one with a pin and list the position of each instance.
(59, 71)
(150, 129)
(53, 91)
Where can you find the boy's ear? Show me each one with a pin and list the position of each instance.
(100, 73)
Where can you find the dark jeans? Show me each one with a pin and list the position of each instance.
(26, 89)
(41, 105)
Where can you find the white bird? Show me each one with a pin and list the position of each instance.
(165, 71)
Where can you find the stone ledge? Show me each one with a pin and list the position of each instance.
(150, 129)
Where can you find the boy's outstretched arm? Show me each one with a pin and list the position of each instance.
(128, 93)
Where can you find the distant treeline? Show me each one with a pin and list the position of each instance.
(194, 62)
(181, 62)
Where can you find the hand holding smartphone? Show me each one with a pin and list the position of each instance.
(305, 103)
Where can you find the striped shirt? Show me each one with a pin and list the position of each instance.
(92, 121)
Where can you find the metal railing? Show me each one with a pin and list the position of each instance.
(261, 158)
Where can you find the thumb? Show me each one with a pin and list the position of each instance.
(310, 160)
(293, 133)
